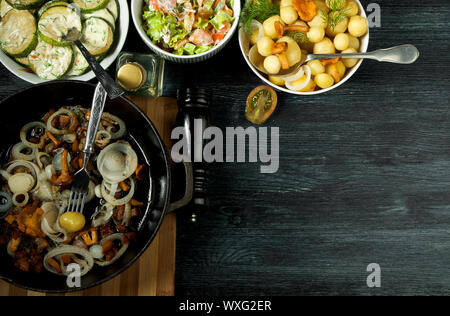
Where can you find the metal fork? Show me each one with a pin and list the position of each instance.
(81, 179)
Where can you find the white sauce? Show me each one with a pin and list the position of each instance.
(49, 61)
(57, 25)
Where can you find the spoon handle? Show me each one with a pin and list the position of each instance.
(403, 54)
(105, 79)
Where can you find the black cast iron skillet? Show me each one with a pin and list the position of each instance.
(30, 105)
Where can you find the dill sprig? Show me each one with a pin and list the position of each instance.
(336, 5)
(336, 17)
(259, 10)
(299, 37)
(324, 16)
(338, 13)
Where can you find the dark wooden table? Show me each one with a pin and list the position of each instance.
(364, 175)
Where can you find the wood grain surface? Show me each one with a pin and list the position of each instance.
(364, 175)
(153, 274)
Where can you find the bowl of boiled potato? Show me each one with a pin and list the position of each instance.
(289, 30)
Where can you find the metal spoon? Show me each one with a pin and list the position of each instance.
(105, 79)
(403, 54)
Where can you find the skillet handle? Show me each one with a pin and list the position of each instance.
(189, 184)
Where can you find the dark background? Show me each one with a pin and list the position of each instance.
(364, 175)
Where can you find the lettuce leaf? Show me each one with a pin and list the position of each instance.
(189, 48)
(154, 22)
(220, 18)
(202, 49)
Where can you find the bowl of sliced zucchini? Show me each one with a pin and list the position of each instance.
(32, 34)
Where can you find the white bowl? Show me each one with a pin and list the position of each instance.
(245, 46)
(121, 32)
(137, 7)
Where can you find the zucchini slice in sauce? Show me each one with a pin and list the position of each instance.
(23, 61)
(18, 33)
(89, 6)
(98, 36)
(4, 8)
(102, 14)
(25, 4)
(51, 62)
(80, 64)
(56, 22)
(113, 7)
(52, 3)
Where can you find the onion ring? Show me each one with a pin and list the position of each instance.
(117, 202)
(87, 265)
(102, 139)
(25, 200)
(121, 251)
(24, 134)
(112, 119)
(293, 77)
(254, 24)
(103, 215)
(35, 171)
(39, 162)
(300, 87)
(72, 126)
(18, 155)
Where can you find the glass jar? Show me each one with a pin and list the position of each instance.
(140, 74)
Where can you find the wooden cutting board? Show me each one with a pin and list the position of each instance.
(154, 273)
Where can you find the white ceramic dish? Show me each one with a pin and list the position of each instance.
(121, 35)
(245, 46)
(136, 15)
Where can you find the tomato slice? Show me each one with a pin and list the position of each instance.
(261, 103)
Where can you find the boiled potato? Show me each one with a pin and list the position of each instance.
(322, 6)
(325, 46)
(341, 27)
(288, 14)
(324, 80)
(269, 26)
(336, 4)
(341, 68)
(352, 8)
(349, 62)
(285, 3)
(358, 26)
(265, 45)
(316, 67)
(293, 53)
(272, 64)
(353, 42)
(341, 41)
(320, 20)
(276, 80)
(315, 34)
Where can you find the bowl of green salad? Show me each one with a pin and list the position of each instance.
(186, 31)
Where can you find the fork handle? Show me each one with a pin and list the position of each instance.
(113, 90)
(98, 104)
